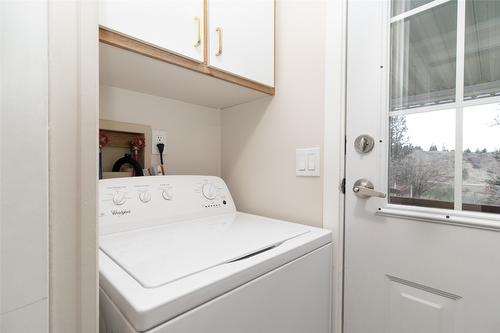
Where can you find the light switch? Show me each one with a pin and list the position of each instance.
(301, 164)
(311, 162)
(307, 162)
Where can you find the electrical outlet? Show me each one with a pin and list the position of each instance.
(158, 136)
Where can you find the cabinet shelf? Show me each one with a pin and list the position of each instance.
(130, 44)
(132, 71)
(124, 60)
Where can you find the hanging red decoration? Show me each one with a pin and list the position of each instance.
(103, 140)
(137, 144)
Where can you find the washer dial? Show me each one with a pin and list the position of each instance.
(145, 196)
(209, 191)
(167, 193)
(119, 198)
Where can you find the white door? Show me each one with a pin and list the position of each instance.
(423, 79)
(173, 25)
(241, 38)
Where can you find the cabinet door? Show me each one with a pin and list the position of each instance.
(173, 25)
(246, 38)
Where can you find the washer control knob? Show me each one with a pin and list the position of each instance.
(168, 193)
(119, 198)
(145, 196)
(209, 191)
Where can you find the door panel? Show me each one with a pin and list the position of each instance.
(173, 25)
(247, 32)
(417, 308)
(404, 275)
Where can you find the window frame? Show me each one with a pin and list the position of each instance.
(455, 216)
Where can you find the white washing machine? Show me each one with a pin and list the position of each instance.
(176, 257)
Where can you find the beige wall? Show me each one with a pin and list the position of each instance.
(193, 132)
(259, 138)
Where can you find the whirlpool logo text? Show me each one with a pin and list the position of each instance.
(120, 212)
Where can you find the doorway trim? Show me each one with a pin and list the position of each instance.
(73, 122)
(334, 145)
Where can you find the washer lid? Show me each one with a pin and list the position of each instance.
(160, 255)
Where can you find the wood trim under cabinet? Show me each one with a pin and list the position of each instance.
(127, 43)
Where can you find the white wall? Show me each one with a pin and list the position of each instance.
(24, 167)
(193, 131)
(259, 138)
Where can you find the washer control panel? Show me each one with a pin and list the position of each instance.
(136, 202)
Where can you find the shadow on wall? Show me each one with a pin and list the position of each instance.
(243, 125)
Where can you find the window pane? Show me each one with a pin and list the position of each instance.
(482, 49)
(423, 57)
(401, 6)
(481, 160)
(421, 166)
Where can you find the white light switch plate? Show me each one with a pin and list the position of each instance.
(307, 162)
(158, 136)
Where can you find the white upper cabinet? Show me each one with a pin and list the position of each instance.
(241, 38)
(238, 46)
(173, 25)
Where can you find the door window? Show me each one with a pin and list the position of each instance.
(444, 104)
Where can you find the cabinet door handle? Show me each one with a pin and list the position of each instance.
(219, 32)
(198, 21)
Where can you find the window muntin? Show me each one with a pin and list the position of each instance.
(399, 7)
(462, 170)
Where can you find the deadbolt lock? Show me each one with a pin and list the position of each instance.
(364, 144)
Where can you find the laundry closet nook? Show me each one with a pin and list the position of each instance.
(204, 130)
(219, 85)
